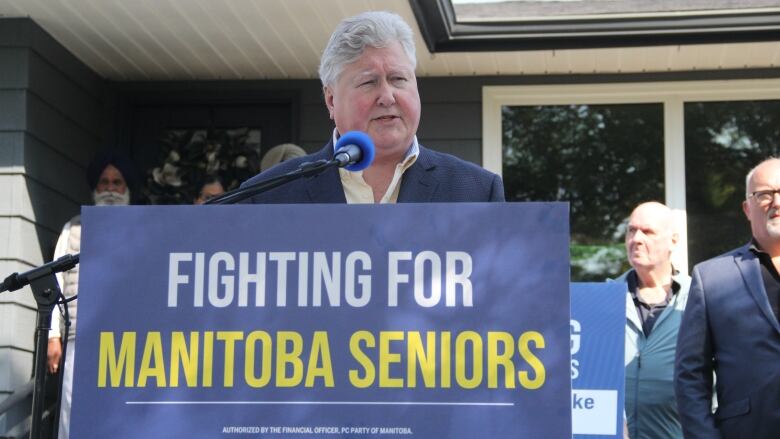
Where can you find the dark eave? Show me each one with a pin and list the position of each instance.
(443, 33)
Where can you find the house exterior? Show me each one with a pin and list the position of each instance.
(79, 77)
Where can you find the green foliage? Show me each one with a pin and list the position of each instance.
(602, 159)
(595, 263)
(723, 141)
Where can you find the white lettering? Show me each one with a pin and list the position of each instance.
(227, 280)
(174, 278)
(281, 258)
(394, 277)
(364, 279)
(330, 277)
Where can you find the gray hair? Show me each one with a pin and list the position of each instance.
(750, 173)
(349, 40)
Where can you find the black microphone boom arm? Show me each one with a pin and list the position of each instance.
(304, 170)
(16, 280)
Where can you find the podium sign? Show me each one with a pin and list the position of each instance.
(598, 319)
(424, 320)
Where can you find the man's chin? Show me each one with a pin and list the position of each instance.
(773, 230)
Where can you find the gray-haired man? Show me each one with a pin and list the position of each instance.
(731, 327)
(367, 73)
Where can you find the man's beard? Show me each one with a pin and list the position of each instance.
(111, 198)
(773, 224)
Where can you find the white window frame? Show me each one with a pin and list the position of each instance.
(673, 95)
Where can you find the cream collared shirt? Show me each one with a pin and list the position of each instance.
(357, 191)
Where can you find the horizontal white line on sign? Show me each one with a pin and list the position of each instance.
(318, 403)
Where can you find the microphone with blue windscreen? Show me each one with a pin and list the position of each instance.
(354, 151)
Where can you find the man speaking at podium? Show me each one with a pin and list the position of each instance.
(367, 72)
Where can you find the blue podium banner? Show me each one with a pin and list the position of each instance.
(414, 320)
(598, 320)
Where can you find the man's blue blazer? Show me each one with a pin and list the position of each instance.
(434, 177)
(729, 328)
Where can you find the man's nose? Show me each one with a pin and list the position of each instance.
(386, 94)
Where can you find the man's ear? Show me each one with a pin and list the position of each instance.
(328, 94)
(745, 209)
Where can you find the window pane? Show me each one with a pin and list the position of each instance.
(723, 140)
(188, 156)
(602, 159)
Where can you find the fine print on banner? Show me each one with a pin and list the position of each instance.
(317, 430)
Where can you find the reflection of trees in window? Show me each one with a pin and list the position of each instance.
(188, 156)
(723, 140)
(602, 159)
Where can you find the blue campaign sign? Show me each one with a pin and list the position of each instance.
(598, 322)
(424, 320)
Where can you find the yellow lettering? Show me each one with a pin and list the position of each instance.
(230, 338)
(494, 359)
(531, 359)
(208, 358)
(446, 360)
(188, 359)
(265, 363)
(386, 358)
(152, 353)
(418, 354)
(320, 349)
(460, 359)
(362, 358)
(108, 361)
(291, 357)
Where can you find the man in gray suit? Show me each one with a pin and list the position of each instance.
(369, 85)
(730, 327)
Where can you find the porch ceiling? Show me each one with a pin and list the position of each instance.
(143, 40)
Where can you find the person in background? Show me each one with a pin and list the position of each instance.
(731, 327)
(369, 85)
(280, 153)
(210, 187)
(655, 300)
(110, 178)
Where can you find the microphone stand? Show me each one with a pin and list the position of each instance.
(46, 292)
(306, 169)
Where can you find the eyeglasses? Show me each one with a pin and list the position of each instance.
(764, 197)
